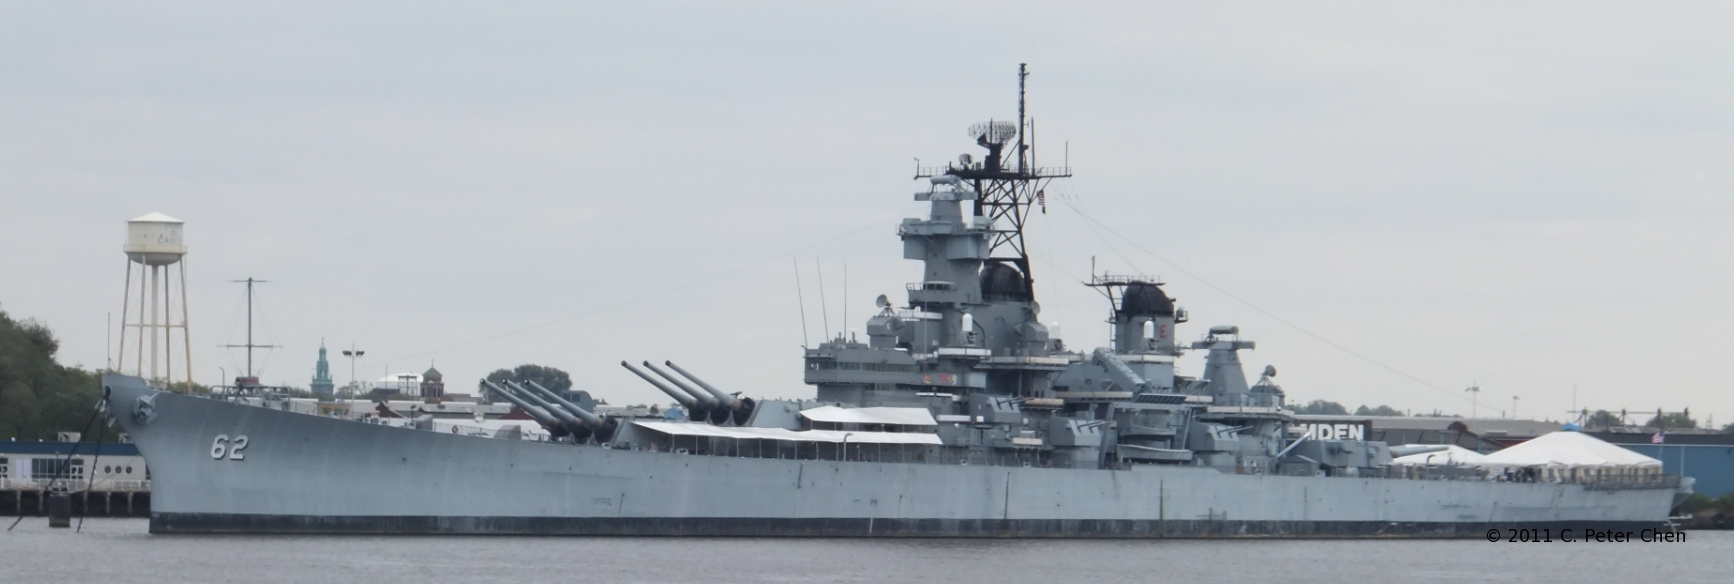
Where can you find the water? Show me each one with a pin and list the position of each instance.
(120, 550)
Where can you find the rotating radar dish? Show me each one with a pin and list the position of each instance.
(994, 132)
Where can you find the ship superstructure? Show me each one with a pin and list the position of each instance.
(959, 414)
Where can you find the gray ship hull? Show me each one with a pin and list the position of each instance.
(308, 474)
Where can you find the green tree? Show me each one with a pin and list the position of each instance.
(553, 379)
(1697, 502)
(1319, 407)
(1378, 411)
(1602, 419)
(1672, 420)
(38, 396)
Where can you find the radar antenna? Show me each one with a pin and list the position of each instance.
(1004, 193)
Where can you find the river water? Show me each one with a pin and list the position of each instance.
(121, 550)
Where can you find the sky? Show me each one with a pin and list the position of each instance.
(1397, 201)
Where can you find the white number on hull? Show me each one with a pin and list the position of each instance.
(223, 446)
(235, 448)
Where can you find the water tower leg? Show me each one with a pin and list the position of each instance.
(125, 301)
(143, 293)
(168, 333)
(186, 335)
(156, 294)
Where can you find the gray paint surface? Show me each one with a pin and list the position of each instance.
(333, 473)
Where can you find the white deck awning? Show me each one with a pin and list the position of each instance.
(831, 436)
(876, 415)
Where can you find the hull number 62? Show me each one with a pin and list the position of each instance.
(223, 446)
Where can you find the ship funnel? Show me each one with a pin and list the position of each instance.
(742, 407)
(683, 398)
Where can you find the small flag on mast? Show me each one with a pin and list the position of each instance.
(1042, 199)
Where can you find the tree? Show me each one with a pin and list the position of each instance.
(1378, 411)
(1672, 420)
(553, 379)
(38, 396)
(1695, 503)
(1602, 419)
(1319, 407)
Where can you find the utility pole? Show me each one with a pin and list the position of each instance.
(352, 354)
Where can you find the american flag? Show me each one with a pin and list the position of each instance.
(1657, 439)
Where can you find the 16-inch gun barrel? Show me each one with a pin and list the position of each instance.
(542, 417)
(726, 399)
(589, 419)
(684, 398)
(710, 401)
(739, 408)
(568, 420)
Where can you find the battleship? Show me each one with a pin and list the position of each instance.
(959, 415)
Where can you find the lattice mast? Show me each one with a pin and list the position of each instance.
(1005, 192)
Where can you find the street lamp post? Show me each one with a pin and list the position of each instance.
(1474, 392)
(352, 354)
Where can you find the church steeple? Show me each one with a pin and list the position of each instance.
(322, 386)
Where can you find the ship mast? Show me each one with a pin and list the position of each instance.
(1004, 193)
(251, 379)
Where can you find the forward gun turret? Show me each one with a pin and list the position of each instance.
(547, 420)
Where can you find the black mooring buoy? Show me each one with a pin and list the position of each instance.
(60, 510)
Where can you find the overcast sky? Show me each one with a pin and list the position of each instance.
(1396, 200)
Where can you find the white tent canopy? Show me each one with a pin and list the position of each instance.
(749, 433)
(874, 415)
(1451, 455)
(1568, 450)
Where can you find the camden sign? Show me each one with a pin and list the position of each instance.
(1337, 431)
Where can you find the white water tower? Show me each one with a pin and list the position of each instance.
(148, 323)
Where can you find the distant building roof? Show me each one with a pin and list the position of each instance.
(1423, 423)
(1505, 427)
(431, 374)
